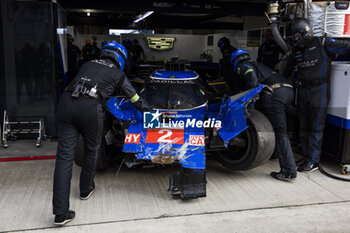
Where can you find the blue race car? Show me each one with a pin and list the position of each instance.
(185, 126)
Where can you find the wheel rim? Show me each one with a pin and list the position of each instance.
(236, 153)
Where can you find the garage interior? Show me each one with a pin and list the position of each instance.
(136, 199)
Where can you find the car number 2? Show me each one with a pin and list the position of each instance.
(164, 138)
(174, 136)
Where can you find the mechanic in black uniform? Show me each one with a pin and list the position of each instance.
(275, 104)
(128, 44)
(225, 65)
(138, 52)
(269, 52)
(73, 52)
(312, 57)
(80, 111)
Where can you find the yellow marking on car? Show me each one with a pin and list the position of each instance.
(136, 81)
(218, 83)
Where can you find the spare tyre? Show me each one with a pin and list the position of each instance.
(251, 148)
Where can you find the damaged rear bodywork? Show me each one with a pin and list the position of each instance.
(185, 144)
(175, 132)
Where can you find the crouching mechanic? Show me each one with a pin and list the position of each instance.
(312, 57)
(80, 111)
(275, 104)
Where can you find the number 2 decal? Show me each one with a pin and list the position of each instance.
(164, 138)
(173, 136)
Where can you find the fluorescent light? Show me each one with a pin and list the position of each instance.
(145, 15)
(61, 31)
(117, 32)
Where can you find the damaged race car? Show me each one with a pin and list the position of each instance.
(183, 127)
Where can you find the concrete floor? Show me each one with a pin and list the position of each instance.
(28, 148)
(137, 201)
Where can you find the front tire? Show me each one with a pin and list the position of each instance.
(258, 146)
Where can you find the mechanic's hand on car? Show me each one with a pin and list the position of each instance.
(142, 106)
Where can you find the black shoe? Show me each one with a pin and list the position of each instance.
(308, 167)
(281, 176)
(300, 162)
(63, 219)
(85, 196)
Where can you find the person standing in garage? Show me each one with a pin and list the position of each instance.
(80, 111)
(269, 52)
(138, 56)
(138, 52)
(225, 65)
(128, 44)
(88, 51)
(73, 53)
(312, 57)
(275, 105)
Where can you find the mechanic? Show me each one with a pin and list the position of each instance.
(128, 44)
(225, 65)
(275, 105)
(138, 56)
(88, 51)
(73, 53)
(138, 52)
(269, 52)
(311, 56)
(80, 112)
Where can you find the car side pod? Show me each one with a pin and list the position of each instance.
(188, 184)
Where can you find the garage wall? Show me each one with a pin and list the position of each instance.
(254, 22)
(79, 39)
(187, 47)
(238, 39)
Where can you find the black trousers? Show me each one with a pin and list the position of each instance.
(312, 105)
(82, 116)
(275, 106)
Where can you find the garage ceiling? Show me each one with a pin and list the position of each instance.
(224, 14)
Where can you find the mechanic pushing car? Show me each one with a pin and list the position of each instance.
(225, 66)
(275, 104)
(80, 111)
(312, 56)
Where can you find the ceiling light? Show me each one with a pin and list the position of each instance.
(145, 15)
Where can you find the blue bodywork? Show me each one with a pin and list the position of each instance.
(183, 143)
(178, 74)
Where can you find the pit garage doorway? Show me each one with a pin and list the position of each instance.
(35, 69)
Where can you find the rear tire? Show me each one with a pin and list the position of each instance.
(259, 144)
(102, 162)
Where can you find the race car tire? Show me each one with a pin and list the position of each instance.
(102, 162)
(259, 146)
